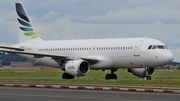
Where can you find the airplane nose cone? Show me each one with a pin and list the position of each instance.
(168, 57)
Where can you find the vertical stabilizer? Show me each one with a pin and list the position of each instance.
(25, 27)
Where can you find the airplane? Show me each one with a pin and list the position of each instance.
(77, 57)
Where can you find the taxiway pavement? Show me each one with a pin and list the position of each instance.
(45, 94)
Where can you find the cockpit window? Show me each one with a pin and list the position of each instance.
(161, 47)
(150, 47)
(157, 47)
(166, 47)
(154, 47)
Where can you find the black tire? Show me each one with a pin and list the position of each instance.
(113, 76)
(67, 76)
(108, 76)
(71, 76)
(148, 78)
(64, 76)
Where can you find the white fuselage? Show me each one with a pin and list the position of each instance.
(111, 53)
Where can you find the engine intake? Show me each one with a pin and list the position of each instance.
(77, 67)
(142, 72)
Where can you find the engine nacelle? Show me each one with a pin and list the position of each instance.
(142, 72)
(77, 67)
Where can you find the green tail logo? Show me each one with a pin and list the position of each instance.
(25, 22)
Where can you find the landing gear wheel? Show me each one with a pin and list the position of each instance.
(146, 73)
(114, 76)
(147, 78)
(67, 76)
(108, 76)
(111, 76)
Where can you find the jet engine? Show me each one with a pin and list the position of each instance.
(145, 73)
(77, 67)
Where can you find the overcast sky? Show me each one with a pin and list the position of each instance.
(87, 19)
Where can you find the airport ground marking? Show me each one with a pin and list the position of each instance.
(177, 91)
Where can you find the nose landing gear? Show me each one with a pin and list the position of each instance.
(147, 78)
(146, 74)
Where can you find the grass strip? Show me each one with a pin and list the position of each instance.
(162, 78)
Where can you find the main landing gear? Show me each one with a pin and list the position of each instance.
(112, 75)
(67, 76)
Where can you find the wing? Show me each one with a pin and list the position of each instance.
(91, 60)
(13, 48)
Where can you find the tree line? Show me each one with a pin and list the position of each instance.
(6, 60)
